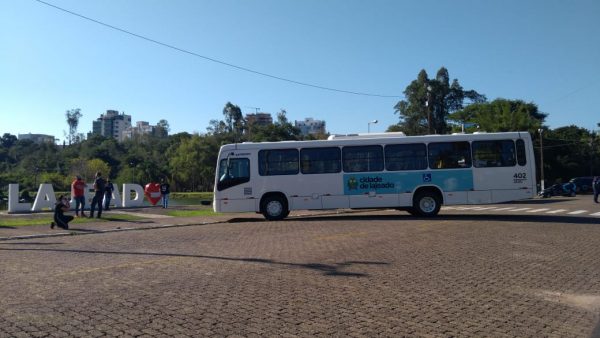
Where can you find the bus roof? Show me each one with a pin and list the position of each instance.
(378, 138)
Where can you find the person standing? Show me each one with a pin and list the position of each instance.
(108, 191)
(78, 192)
(596, 187)
(99, 186)
(60, 219)
(165, 190)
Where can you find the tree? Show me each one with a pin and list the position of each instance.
(428, 103)
(162, 128)
(502, 115)
(8, 140)
(281, 130)
(87, 169)
(186, 162)
(234, 120)
(73, 116)
(568, 153)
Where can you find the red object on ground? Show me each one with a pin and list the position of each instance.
(152, 192)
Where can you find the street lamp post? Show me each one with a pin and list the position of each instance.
(369, 125)
(541, 158)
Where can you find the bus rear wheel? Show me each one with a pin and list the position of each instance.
(274, 208)
(427, 203)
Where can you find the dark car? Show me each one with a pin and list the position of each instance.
(557, 189)
(582, 184)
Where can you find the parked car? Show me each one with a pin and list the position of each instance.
(582, 184)
(558, 189)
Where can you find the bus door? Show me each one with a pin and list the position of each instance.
(501, 172)
(234, 191)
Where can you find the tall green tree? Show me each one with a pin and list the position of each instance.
(234, 120)
(428, 103)
(73, 116)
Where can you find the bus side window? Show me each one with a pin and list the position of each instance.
(449, 155)
(320, 160)
(362, 158)
(521, 157)
(405, 157)
(278, 162)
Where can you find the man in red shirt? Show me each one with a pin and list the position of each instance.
(78, 192)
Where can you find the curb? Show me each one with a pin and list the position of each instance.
(163, 226)
(95, 232)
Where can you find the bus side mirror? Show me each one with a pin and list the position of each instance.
(228, 166)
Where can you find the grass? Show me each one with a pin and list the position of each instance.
(196, 195)
(191, 213)
(45, 220)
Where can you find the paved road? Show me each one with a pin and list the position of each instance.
(467, 273)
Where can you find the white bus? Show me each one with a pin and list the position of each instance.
(390, 170)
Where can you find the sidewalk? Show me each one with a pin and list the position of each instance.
(150, 218)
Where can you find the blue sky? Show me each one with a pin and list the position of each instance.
(546, 52)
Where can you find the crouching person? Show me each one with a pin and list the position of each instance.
(60, 219)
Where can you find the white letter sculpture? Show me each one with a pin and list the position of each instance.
(45, 198)
(138, 200)
(13, 200)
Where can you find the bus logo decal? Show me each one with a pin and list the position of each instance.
(352, 183)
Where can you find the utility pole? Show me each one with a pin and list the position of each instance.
(541, 157)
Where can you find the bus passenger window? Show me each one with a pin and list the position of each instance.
(405, 157)
(320, 160)
(278, 162)
(449, 155)
(362, 158)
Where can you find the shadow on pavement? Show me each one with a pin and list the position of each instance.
(486, 217)
(541, 201)
(326, 269)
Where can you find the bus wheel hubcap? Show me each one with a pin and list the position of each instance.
(274, 208)
(427, 204)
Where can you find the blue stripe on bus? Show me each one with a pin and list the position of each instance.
(401, 182)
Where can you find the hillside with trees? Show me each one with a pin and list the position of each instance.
(436, 106)
(186, 160)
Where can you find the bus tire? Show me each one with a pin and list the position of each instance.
(427, 203)
(274, 208)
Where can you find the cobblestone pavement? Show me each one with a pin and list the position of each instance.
(362, 274)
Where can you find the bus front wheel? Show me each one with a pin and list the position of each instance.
(274, 208)
(427, 203)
